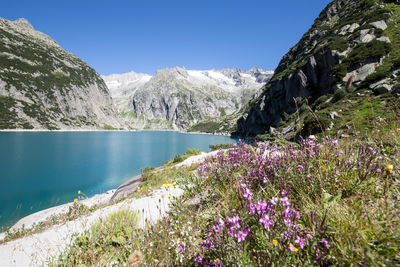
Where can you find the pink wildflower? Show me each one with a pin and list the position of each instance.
(300, 167)
(248, 194)
(301, 241)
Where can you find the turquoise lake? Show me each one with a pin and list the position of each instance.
(39, 170)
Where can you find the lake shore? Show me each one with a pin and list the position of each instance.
(36, 218)
(36, 248)
(102, 130)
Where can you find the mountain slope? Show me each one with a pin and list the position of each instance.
(43, 86)
(177, 98)
(351, 53)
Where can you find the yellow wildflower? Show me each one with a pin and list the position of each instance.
(216, 260)
(293, 248)
(398, 129)
(167, 185)
(174, 184)
(79, 192)
(275, 242)
(389, 168)
(75, 200)
(168, 196)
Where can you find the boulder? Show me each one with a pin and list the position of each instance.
(127, 188)
(361, 73)
(349, 28)
(381, 24)
(367, 38)
(383, 39)
(382, 89)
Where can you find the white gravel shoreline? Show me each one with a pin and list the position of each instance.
(35, 249)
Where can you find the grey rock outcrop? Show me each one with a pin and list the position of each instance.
(330, 56)
(42, 86)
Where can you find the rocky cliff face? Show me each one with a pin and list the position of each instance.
(42, 86)
(353, 45)
(177, 98)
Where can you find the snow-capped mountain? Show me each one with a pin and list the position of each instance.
(178, 98)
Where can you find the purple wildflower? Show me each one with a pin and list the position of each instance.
(301, 241)
(325, 243)
(241, 235)
(266, 221)
(252, 208)
(274, 200)
(287, 234)
(261, 206)
(300, 167)
(248, 194)
(181, 247)
(285, 201)
(199, 259)
(207, 244)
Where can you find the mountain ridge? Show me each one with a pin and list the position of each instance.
(353, 45)
(42, 86)
(177, 98)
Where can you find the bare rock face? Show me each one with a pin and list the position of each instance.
(345, 47)
(42, 86)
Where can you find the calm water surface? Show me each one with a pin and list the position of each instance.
(39, 170)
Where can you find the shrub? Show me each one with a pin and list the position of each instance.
(339, 94)
(178, 158)
(373, 50)
(109, 239)
(315, 122)
(338, 43)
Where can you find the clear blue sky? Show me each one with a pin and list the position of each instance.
(118, 36)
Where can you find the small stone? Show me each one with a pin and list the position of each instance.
(383, 39)
(333, 115)
(353, 27)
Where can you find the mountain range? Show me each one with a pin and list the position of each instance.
(176, 98)
(345, 68)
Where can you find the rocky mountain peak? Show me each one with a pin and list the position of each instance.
(22, 22)
(171, 72)
(43, 86)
